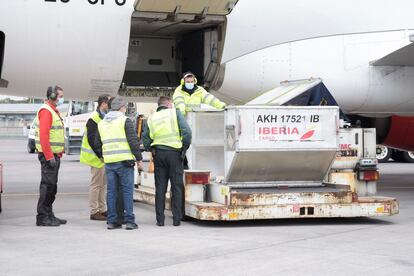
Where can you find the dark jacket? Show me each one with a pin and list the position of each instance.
(92, 129)
(184, 128)
(132, 139)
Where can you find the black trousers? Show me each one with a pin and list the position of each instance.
(48, 188)
(168, 166)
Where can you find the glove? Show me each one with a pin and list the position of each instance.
(183, 153)
(52, 163)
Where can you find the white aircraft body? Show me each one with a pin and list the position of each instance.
(362, 50)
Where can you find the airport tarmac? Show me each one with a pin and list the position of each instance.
(358, 246)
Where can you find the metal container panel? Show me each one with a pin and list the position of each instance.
(194, 192)
(370, 143)
(287, 128)
(207, 127)
(209, 158)
(301, 145)
(276, 166)
(285, 92)
(207, 147)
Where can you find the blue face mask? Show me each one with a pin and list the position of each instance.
(189, 85)
(60, 101)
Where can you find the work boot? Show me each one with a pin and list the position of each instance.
(61, 221)
(47, 222)
(98, 216)
(131, 226)
(112, 226)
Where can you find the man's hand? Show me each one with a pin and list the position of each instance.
(52, 162)
(140, 166)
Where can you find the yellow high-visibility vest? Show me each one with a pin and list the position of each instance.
(115, 147)
(87, 155)
(56, 132)
(163, 126)
(185, 102)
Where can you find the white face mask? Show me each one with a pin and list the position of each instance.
(189, 85)
(60, 101)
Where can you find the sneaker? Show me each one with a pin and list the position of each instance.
(98, 216)
(48, 222)
(131, 226)
(112, 226)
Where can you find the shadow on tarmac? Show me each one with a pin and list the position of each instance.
(291, 222)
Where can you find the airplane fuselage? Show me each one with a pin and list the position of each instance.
(89, 47)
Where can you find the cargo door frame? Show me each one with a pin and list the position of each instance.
(185, 13)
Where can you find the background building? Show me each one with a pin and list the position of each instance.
(15, 118)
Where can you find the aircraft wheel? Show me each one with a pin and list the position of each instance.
(407, 156)
(383, 153)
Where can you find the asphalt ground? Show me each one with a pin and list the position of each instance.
(357, 246)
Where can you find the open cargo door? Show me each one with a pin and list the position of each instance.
(171, 37)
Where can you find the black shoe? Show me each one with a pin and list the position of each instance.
(47, 222)
(112, 226)
(61, 221)
(131, 226)
(160, 223)
(176, 223)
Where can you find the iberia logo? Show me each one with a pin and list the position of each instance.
(308, 134)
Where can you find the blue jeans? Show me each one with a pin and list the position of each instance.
(119, 175)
